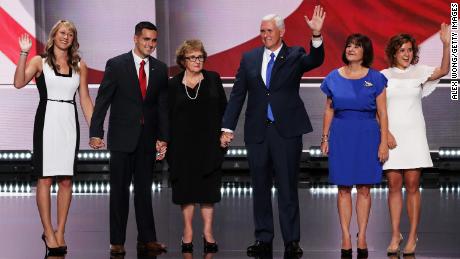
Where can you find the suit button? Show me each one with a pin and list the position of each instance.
(268, 94)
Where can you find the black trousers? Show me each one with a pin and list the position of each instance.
(276, 157)
(124, 168)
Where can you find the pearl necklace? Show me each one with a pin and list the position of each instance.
(185, 88)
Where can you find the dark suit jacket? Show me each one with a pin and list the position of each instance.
(291, 118)
(120, 90)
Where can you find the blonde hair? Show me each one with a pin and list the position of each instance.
(72, 53)
(186, 47)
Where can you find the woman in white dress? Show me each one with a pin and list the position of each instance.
(59, 73)
(408, 83)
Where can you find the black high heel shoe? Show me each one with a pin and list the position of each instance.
(346, 253)
(52, 251)
(209, 247)
(362, 252)
(186, 247)
(64, 247)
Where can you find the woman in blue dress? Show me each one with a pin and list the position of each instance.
(353, 138)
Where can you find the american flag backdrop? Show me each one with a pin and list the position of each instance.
(227, 28)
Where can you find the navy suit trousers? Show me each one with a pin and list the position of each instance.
(276, 157)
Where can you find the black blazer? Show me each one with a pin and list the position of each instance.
(291, 118)
(120, 90)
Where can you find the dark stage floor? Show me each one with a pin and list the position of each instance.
(88, 238)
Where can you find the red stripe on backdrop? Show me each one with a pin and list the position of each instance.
(377, 19)
(11, 30)
(95, 76)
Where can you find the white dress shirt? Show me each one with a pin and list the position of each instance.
(265, 59)
(137, 62)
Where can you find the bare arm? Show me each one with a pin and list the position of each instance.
(383, 119)
(391, 139)
(328, 115)
(445, 62)
(26, 71)
(85, 99)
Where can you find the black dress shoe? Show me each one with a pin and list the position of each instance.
(346, 253)
(293, 248)
(116, 250)
(151, 246)
(259, 248)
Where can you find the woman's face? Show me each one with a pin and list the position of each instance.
(194, 61)
(63, 38)
(354, 52)
(404, 55)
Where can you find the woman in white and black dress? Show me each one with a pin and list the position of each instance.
(59, 73)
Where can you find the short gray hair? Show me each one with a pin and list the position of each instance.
(279, 21)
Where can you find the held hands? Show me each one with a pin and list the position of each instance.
(161, 148)
(383, 152)
(324, 148)
(317, 20)
(391, 141)
(444, 34)
(225, 139)
(25, 43)
(96, 143)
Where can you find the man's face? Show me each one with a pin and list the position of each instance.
(145, 43)
(271, 35)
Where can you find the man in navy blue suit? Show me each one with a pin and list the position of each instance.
(275, 121)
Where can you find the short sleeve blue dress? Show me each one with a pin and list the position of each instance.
(354, 134)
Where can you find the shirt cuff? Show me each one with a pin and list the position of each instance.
(316, 42)
(226, 130)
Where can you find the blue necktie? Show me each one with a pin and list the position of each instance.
(267, 83)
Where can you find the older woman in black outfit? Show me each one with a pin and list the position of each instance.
(197, 102)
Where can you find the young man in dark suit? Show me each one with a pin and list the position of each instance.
(135, 87)
(275, 121)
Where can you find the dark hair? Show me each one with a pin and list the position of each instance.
(363, 41)
(396, 42)
(144, 25)
(186, 47)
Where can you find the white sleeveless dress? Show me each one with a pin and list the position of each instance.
(56, 128)
(405, 91)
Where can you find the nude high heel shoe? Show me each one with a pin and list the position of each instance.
(392, 252)
(410, 252)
